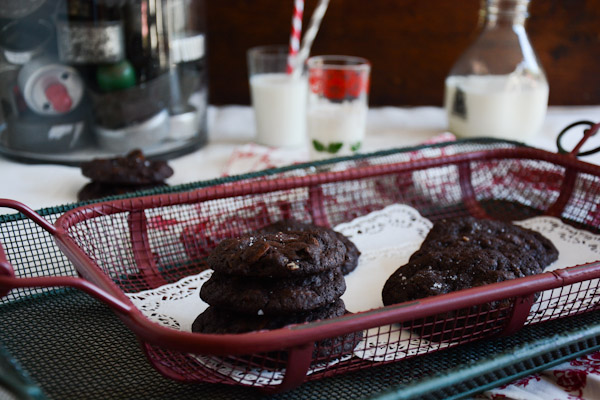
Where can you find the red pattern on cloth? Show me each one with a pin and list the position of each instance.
(525, 381)
(571, 379)
(591, 362)
(253, 157)
(578, 379)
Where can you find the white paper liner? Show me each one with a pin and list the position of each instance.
(575, 247)
(386, 239)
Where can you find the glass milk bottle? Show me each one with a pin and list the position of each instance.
(497, 88)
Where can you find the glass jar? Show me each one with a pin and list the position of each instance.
(497, 87)
(83, 79)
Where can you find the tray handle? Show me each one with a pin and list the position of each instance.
(9, 281)
(570, 178)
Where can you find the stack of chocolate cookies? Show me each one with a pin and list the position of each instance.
(289, 273)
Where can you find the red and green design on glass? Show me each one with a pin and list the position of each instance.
(339, 78)
(334, 147)
(339, 85)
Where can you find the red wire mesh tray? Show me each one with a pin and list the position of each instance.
(119, 248)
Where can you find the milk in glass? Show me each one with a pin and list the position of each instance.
(279, 102)
(339, 126)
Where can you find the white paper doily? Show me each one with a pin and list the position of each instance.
(575, 247)
(386, 239)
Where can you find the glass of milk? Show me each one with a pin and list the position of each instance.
(497, 87)
(278, 98)
(337, 104)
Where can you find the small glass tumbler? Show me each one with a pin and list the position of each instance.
(278, 98)
(337, 104)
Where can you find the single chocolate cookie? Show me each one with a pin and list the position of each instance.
(273, 296)
(278, 255)
(483, 234)
(337, 346)
(290, 225)
(97, 190)
(440, 272)
(133, 169)
(352, 255)
(221, 320)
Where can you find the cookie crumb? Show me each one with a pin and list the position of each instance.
(292, 266)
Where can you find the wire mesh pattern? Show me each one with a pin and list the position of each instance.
(129, 245)
(98, 353)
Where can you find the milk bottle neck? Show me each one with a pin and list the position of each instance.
(504, 13)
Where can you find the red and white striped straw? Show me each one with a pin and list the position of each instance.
(295, 34)
(309, 37)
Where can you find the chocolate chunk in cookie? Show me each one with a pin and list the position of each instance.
(282, 254)
(290, 225)
(273, 296)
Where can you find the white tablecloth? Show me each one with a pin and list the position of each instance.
(233, 126)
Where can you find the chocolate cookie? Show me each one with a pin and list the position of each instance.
(463, 253)
(337, 346)
(273, 296)
(482, 234)
(96, 190)
(290, 225)
(133, 169)
(220, 320)
(442, 272)
(278, 255)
